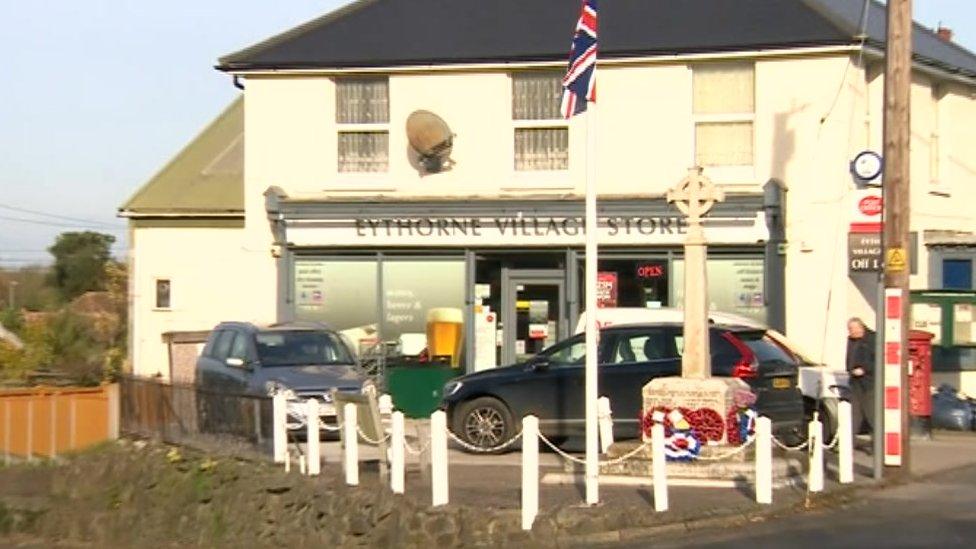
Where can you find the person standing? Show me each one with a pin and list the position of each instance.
(860, 367)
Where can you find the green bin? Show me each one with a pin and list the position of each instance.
(416, 390)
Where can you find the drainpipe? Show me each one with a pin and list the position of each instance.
(774, 207)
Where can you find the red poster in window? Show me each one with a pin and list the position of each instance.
(606, 289)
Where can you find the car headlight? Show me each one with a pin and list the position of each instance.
(275, 387)
(452, 387)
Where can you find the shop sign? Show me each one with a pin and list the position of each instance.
(310, 285)
(606, 289)
(864, 252)
(867, 206)
(650, 270)
(514, 227)
(485, 327)
(517, 230)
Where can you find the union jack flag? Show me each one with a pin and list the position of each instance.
(580, 81)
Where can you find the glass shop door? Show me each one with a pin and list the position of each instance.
(533, 312)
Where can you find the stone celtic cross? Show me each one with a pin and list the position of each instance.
(694, 196)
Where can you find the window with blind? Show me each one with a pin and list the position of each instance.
(541, 134)
(362, 117)
(723, 100)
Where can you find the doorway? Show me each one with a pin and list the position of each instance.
(533, 312)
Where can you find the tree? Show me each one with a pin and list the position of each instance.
(79, 262)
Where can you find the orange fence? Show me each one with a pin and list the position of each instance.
(46, 421)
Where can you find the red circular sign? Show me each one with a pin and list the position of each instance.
(870, 205)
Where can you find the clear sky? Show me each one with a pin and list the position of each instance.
(97, 95)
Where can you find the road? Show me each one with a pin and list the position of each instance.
(938, 512)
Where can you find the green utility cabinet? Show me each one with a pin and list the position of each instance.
(416, 389)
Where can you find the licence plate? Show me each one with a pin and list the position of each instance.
(782, 383)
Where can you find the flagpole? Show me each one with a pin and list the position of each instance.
(592, 470)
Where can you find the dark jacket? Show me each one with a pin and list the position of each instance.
(860, 353)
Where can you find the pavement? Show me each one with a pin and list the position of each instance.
(937, 511)
(495, 480)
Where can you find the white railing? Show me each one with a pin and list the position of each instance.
(436, 446)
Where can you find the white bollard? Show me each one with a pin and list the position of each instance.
(351, 439)
(301, 464)
(385, 404)
(438, 458)
(764, 460)
(605, 418)
(288, 462)
(530, 471)
(279, 426)
(312, 437)
(397, 448)
(659, 468)
(816, 483)
(845, 443)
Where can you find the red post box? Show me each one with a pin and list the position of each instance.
(920, 380)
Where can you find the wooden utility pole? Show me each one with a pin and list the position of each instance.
(897, 139)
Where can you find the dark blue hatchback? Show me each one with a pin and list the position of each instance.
(484, 408)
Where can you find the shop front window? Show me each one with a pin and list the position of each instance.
(629, 282)
(735, 285)
(342, 294)
(423, 304)
(389, 315)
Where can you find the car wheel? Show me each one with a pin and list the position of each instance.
(484, 422)
(828, 417)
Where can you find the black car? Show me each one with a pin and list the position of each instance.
(303, 360)
(484, 408)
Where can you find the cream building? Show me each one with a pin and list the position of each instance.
(338, 219)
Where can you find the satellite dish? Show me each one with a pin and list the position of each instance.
(431, 138)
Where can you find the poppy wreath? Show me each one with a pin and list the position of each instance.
(740, 425)
(705, 422)
(741, 419)
(647, 420)
(682, 446)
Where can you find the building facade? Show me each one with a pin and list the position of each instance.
(343, 222)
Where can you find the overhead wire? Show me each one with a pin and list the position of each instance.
(62, 224)
(58, 216)
(862, 36)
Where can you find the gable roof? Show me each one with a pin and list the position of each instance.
(206, 178)
(927, 46)
(391, 33)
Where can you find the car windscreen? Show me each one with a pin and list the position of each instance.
(285, 348)
(765, 348)
(568, 352)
